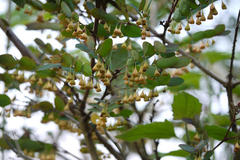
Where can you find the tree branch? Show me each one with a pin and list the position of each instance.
(113, 141)
(205, 70)
(117, 155)
(167, 23)
(229, 87)
(16, 150)
(235, 84)
(21, 47)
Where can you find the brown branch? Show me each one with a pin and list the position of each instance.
(87, 132)
(73, 91)
(162, 37)
(16, 41)
(113, 141)
(16, 150)
(156, 141)
(225, 138)
(202, 68)
(229, 87)
(109, 87)
(233, 49)
(58, 148)
(84, 118)
(139, 151)
(167, 23)
(235, 84)
(117, 155)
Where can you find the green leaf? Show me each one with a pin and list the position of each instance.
(44, 25)
(67, 60)
(7, 61)
(208, 155)
(101, 31)
(171, 48)
(86, 49)
(181, 62)
(218, 133)
(70, 4)
(150, 71)
(48, 66)
(87, 70)
(141, 5)
(219, 29)
(185, 106)
(6, 78)
(46, 73)
(154, 130)
(35, 146)
(3, 143)
(184, 7)
(214, 56)
(191, 80)
(166, 62)
(78, 66)
(107, 17)
(159, 47)
(201, 145)
(46, 48)
(131, 30)
(236, 90)
(27, 63)
(118, 59)
(45, 106)
(177, 153)
(187, 148)
(124, 113)
(50, 6)
(20, 3)
(90, 5)
(221, 120)
(59, 103)
(175, 81)
(4, 100)
(105, 48)
(188, 8)
(148, 49)
(66, 10)
(158, 81)
(36, 4)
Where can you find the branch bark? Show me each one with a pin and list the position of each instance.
(201, 67)
(16, 41)
(117, 155)
(167, 23)
(15, 149)
(229, 87)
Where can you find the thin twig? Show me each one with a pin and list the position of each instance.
(117, 155)
(235, 84)
(8, 16)
(113, 141)
(225, 137)
(156, 141)
(201, 67)
(21, 47)
(229, 87)
(15, 149)
(106, 92)
(67, 152)
(167, 23)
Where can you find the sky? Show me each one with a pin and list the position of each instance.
(70, 141)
